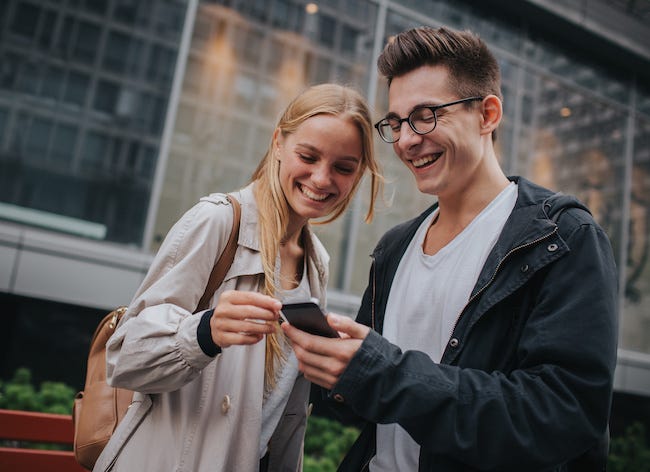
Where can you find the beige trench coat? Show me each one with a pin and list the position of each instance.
(193, 412)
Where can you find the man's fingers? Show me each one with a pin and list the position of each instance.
(346, 325)
(309, 342)
(320, 369)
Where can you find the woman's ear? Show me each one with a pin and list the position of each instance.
(276, 144)
(492, 111)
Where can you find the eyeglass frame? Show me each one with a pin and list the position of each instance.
(433, 109)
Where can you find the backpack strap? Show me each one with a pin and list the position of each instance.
(225, 260)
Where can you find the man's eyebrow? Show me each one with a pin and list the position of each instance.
(392, 114)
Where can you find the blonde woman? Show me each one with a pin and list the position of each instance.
(220, 390)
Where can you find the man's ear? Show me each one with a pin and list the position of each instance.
(491, 112)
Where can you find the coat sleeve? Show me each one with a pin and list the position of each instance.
(155, 347)
(553, 403)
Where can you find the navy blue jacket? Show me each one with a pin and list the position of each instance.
(525, 382)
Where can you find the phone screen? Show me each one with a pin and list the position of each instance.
(308, 317)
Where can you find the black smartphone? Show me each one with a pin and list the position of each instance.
(308, 317)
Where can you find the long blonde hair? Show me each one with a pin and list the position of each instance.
(328, 99)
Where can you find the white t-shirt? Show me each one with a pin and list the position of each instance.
(427, 296)
(275, 401)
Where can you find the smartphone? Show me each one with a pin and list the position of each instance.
(308, 317)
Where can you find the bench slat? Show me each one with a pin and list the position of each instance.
(27, 460)
(37, 427)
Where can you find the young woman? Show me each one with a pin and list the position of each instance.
(220, 390)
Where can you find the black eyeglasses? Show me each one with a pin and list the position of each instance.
(422, 120)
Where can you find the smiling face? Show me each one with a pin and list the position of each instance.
(448, 159)
(320, 164)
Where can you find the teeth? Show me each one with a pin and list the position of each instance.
(312, 195)
(424, 160)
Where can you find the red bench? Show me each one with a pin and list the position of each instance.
(36, 427)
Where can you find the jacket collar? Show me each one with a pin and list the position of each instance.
(248, 226)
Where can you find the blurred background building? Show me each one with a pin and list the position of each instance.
(117, 115)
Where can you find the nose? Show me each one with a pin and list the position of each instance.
(321, 176)
(407, 137)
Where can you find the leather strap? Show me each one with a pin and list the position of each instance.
(225, 260)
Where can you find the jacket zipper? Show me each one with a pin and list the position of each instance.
(494, 274)
(374, 291)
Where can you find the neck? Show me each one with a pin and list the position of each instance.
(461, 207)
(293, 233)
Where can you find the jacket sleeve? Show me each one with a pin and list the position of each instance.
(553, 403)
(155, 347)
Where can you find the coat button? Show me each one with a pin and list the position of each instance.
(339, 398)
(552, 247)
(524, 268)
(225, 404)
(453, 342)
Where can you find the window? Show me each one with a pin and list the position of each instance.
(28, 78)
(327, 31)
(64, 39)
(46, 34)
(349, 41)
(87, 41)
(116, 52)
(161, 65)
(106, 96)
(38, 140)
(4, 114)
(169, 19)
(76, 88)
(9, 70)
(126, 11)
(148, 164)
(63, 144)
(53, 81)
(25, 20)
(157, 119)
(94, 149)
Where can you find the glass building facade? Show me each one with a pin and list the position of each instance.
(111, 126)
(84, 86)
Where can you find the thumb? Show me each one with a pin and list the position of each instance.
(348, 326)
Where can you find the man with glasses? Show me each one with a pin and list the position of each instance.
(486, 339)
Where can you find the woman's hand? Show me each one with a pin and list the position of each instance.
(243, 318)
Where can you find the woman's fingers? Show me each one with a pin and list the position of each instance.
(243, 318)
(247, 305)
(240, 339)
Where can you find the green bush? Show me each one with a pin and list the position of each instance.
(630, 452)
(326, 442)
(52, 397)
(19, 394)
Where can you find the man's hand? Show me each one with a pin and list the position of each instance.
(321, 359)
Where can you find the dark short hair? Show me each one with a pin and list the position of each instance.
(473, 69)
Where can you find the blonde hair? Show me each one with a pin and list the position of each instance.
(273, 208)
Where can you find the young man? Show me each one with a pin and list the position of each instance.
(486, 339)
